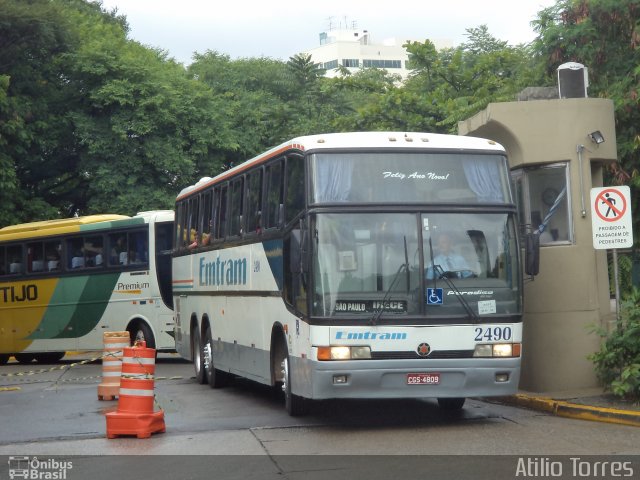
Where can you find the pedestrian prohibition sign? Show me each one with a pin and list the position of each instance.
(611, 218)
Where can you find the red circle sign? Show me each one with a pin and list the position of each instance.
(607, 206)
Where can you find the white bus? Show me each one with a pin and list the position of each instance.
(63, 283)
(322, 267)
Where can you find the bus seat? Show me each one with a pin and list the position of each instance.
(15, 267)
(77, 262)
(37, 266)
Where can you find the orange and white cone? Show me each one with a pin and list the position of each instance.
(135, 415)
(114, 343)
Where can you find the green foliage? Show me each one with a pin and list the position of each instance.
(625, 274)
(456, 83)
(617, 363)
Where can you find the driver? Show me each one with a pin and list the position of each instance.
(452, 264)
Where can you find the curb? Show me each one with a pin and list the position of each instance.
(573, 410)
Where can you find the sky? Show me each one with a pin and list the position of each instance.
(280, 29)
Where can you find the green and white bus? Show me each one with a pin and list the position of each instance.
(319, 267)
(63, 283)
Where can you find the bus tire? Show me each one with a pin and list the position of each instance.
(4, 358)
(49, 357)
(214, 377)
(198, 364)
(140, 331)
(451, 403)
(295, 405)
(24, 357)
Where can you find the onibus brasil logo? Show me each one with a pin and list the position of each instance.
(32, 468)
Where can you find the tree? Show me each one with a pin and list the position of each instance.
(461, 81)
(33, 94)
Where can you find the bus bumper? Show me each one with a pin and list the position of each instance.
(389, 378)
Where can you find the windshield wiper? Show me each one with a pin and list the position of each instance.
(459, 295)
(403, 266)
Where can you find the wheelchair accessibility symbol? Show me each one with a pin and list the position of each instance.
(434, 296)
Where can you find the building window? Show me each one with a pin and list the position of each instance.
(375, 63)
(350, 62)
(542, 194)
(330, 65)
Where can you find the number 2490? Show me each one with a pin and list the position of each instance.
(491, 334)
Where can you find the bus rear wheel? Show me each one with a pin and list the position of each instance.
(24, 357)
(451, 403)
(3, 359)
(198, 364)
(215, 378)
(49, 357)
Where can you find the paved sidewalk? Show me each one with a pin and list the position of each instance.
(586, 404)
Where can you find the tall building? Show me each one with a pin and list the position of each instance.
(355, 49)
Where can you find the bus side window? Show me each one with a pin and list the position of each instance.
(274, 194)
(295, 187)
(75, 253)
(118, 249)
(14, 259)
(93, 251)
(253, 200)
(138, 248)
(222, 212)
(53, 253)
(3, 261)
(35, 257)
(205, 221)
(235, 207)
(180, 228)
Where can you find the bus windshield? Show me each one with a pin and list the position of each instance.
(367, 262)
(404, 177)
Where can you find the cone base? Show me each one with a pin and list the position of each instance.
(142, 425)
(108, 392)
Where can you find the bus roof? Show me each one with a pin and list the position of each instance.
(358, 140)
(60, 226)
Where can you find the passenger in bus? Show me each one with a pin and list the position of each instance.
(118, 254)
(452, 264)
(53, 260)
(193, 239)
(77, 261)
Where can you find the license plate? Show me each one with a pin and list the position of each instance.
(423, 378)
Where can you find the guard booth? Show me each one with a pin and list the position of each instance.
(558, 149)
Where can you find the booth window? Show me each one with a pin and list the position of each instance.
(542, 194)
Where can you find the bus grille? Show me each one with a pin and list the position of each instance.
(438, 354)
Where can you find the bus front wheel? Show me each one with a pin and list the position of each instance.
(451, 403)
(140, 332)
(296, 406)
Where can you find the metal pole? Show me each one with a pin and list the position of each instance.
(617, 287)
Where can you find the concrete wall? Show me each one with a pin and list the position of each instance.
(571, 293)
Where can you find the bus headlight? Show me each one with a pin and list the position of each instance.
(344, 353)
(504, 350)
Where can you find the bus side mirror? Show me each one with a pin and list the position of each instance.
(532, 254)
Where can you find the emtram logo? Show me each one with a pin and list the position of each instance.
(33, 468)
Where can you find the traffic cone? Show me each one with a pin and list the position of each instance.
(114, 342)
(135, 415)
